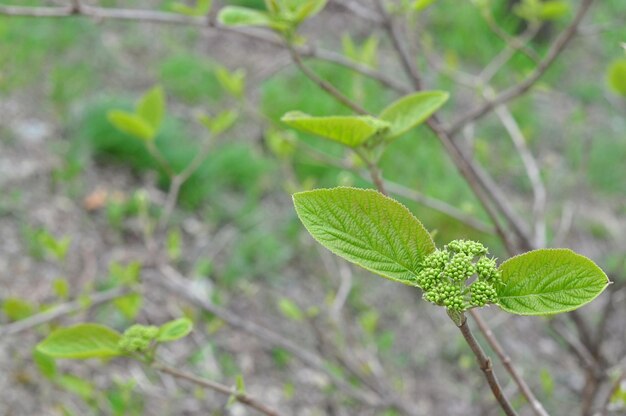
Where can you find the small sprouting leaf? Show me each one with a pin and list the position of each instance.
(61, 288)
(151, 107)
(290, 310)
(131, 124)
(232, 81)
(77, 385)
(202, 8)
(554, 10)
(419, 5)
(16, 309)
(81, 341)
(308, 9)
(173, 330)
(549, 281)
(366, 228)
(243, 16)
(616, 76)
(412, 110)
(348, 130)
(221, 122)
(129, 305)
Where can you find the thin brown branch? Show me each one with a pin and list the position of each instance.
(150, 16)
(62, 310)
(515, 91)
(322, 83)
(399, 45)
(485, 365)
(535, 404)
(170, 279)
(241, 397)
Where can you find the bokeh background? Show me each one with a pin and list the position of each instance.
(78, 196)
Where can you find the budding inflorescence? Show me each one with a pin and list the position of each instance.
(138, 339)
(445, 275)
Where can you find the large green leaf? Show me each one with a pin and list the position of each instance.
(81, 341)
(131, 124)
(549, 281)
(151, 107)
(412, 110)
(348, 130)
(366, 228)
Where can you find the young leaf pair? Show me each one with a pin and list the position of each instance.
(382, 236)
(353, 131)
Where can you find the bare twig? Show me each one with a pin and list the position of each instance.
(485, 365)
(535, 404)
(241, 397)
(515, 91)
(62, 310)
(532, 171)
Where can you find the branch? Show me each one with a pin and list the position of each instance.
(513, 92)
(170, 279)
(536, 405)
(485, 365)
(241, 397)
(62, 310)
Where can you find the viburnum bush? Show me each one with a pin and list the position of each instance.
(365, 226)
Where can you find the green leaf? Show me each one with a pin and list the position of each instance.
(366, 228)
(549, 281)
(232, 81)
(202, 8)
(419, 5)
(243, 16)
(309, 9)
(351, 131)
(553, 10)
(173, 330)
(16, 309)
(151, 107)
(412, 110)
(77, 385)
(81, 341)
(616, 76)
(290, 310)
(131, 124)
(129, 305)
(45, 364)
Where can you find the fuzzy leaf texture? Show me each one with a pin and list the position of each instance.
(81, 341)
(351, 131)
(173, 330)
(412, 110)
(367, 228)
(549, 281)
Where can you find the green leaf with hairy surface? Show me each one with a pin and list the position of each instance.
(131, 124)
(81, 341)
(243, 16)
(549, 281)
(366, 228)
(151, 107)
(174, 330)
(351, 131)
(616, 76)
(412, 110)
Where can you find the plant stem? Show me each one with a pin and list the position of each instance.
(535, 404)
(485, 365)
(241, 397)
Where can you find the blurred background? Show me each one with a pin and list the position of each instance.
(79, 198)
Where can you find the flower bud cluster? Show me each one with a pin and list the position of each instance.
(138, 338)
(445, 274)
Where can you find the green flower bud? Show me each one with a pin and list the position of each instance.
(138, 338)
(470, 248)
(482, 293)
(460, 268)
